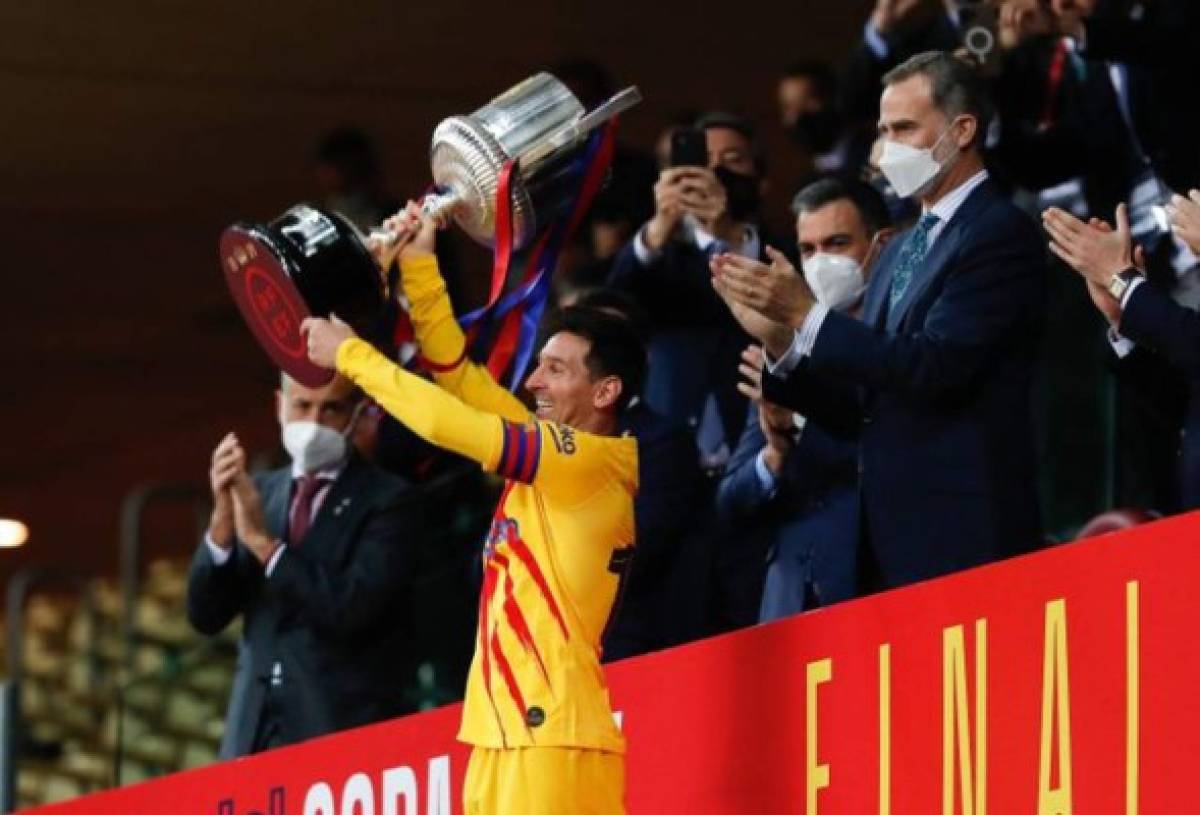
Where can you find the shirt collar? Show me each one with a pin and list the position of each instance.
(950, 203)
(328, 474)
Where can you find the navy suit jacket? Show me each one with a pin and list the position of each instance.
(1153, 320)
(659, 606)
(810, 519)
(937, 393)
(332, 613)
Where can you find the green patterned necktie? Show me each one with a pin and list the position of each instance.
(912, 255)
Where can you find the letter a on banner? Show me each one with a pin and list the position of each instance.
(1056, 714)
(956, 724)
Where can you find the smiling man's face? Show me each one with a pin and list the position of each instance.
(563, 386)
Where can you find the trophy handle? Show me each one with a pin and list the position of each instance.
(437, 205)
(616, 104)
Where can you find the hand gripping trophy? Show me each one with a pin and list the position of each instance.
(504, 174)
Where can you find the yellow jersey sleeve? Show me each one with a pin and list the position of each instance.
(567, 465)
(433, 414)
(443, 345)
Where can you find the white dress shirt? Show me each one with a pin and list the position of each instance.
(750, 247)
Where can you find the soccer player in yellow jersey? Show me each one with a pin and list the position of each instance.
(536, 711)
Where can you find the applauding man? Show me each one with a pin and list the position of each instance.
(934, 381)
(1140, 314)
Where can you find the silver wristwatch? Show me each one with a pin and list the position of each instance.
(1121, 281)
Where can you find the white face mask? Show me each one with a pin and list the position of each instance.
(912, 171)
(314, 447)
(836, 280)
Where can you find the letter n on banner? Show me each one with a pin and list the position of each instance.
(956, 722)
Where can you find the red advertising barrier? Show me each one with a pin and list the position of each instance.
(1057, 683)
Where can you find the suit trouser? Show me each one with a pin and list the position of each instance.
(269, 733)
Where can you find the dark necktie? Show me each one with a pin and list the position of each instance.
(307, 489)
(912, 255)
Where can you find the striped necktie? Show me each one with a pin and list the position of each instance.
(912, 255)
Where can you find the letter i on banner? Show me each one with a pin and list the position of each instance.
(1132, 695)
(817, 774)
(885, 729)
(1056, 714)
(956, 724)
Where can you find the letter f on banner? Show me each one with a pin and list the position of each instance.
(956, 723)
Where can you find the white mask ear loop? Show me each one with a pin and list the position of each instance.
(355, 415)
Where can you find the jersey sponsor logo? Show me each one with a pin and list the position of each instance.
(564, 439)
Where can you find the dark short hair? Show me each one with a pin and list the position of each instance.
(865, 198)
(820, 73)
(740, 124)
(615, 348)
(956, 86)
(617, 302)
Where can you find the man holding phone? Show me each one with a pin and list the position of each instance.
(706, 203)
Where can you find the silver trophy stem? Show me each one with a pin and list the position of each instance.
(437, 205)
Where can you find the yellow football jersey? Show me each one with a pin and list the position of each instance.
(558, 547)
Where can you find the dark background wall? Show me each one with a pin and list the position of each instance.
(132, 133)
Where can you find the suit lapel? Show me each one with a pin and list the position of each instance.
(277, 495)
(881, 281)
(939, 255)
(338, 500)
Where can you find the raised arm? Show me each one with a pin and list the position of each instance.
(439, 337)
(568, 465)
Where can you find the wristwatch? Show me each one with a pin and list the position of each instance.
(1121, 282)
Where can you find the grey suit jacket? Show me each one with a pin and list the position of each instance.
(332, 614)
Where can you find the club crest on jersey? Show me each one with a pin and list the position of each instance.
(502, 529)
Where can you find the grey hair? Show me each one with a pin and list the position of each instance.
(955, 85)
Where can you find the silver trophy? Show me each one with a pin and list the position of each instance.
(309, 261)
(538, 123)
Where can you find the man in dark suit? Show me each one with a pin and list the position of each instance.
(934, 382)
(662, 601)
(695, 344)
(1139, 312)
(789, 480)
(1119, 124)
(316, 558)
